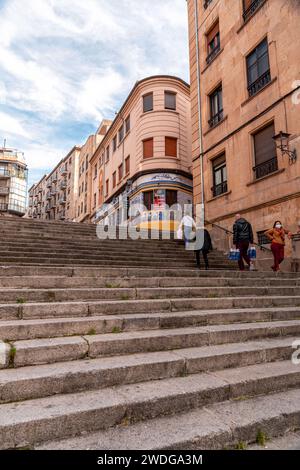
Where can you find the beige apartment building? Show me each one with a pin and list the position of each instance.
(83, 196)
(145, 156)
(13, 182)
(245, 90)
(54, 196)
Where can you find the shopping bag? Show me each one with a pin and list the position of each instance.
(234, 254)
(252, 252)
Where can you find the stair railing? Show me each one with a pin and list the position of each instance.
(229, 232)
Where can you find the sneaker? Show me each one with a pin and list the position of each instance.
(252, 267)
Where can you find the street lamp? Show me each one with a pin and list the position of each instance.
(282, 143)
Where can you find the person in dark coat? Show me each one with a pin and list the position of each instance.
(242, 237)
(206, 248)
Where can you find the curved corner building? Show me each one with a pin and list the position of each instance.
(13, 182)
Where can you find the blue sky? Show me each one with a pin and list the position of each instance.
(66, 64)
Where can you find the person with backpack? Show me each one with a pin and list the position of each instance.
(242, 237)
(277, 237)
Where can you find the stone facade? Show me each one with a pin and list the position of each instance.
(250, 89)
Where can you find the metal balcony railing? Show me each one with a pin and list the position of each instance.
(48, 195)
(214, 120)
(252, 9)
(3, 207)
(63, 170)
(220, 189)
(213, 54)
(63, 185)
(261, 82)
(266, 168)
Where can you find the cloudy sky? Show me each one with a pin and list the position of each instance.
(66, 64)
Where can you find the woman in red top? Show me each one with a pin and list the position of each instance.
(277, 237)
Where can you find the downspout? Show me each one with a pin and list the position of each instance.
(200, 133)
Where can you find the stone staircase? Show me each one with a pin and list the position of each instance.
(125, 345)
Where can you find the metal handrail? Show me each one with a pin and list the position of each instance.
(262, 248)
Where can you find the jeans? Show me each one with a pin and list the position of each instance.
(278, 253)
(243, 247)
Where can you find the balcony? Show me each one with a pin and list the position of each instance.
(49, 184)
(54, 178)
(213, 54)
(62, 201)
(214, 120)
(4, 191)
(3, 207)
(53, 192)
(35, 203)
(260, 83)
(63, 185)
(52, 205)
(220, 189)
(63, 170)
(48, 195)
(5, 173)
(47, 208)
(266, 168)
(62, 215)
(252, 9)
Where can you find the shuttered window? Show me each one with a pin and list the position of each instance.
(170, 147)
(148, 102)
(264, 145)
(148, 148)
(170, 100)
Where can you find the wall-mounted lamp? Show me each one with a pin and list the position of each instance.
(282, 143)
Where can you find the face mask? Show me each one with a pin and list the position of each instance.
(278, 226)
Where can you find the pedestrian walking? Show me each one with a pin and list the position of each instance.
(242, 237)
(277, 237)
(206, 248)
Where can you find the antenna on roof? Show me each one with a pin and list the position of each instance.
(4, 143)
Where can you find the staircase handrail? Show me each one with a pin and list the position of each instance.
(261, 247)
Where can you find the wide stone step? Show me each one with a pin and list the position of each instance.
(215, 427)
(91, 374)
(14, 330)
(61, 282)
(107, 307)
(113, 292)
(44, 419)
(46, 351)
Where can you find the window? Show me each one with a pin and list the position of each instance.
(219, 176)
(258, 68)
(120, 172)
(127, 165)
(81, 207)
(206, 3)
(262, 238)
(148, 199)
(170, 100)
(213, 43)
(95, 171)
(265, 152)
(216, 107)
(250, 7)
(95, 199)
(114, 179)
(69, 176)
(148, 148)
(171, 147)
(106, 187)
(86, 186)
(82, 186)
(86, 162)
(107, 154)
(148, 103)
(171, 197)
(115, 143)
(127, 124)
(121, 134)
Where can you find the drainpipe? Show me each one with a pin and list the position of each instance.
(200, 133)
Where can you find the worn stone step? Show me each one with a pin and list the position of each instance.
(214, 427)
(43, 351)
(32, 329)
(39, 420)
(108, 307)
(89, 374)
(52, 282)
(116, 293)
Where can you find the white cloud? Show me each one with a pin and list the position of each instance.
(65, 62)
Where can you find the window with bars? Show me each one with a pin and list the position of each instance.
(250, 7)
(216, 107)
(262, 238)
(258, 68)
(170, 100)
(219, 167)
(265, 152)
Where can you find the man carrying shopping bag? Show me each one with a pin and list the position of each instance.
(242, 237)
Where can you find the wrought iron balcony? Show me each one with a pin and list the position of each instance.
(48, 195)
(63, 185)
(62, 201)
(220, 189)
(252, 9)
(261, 82)
(214, 120)
(213, 54)
(266, 168)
